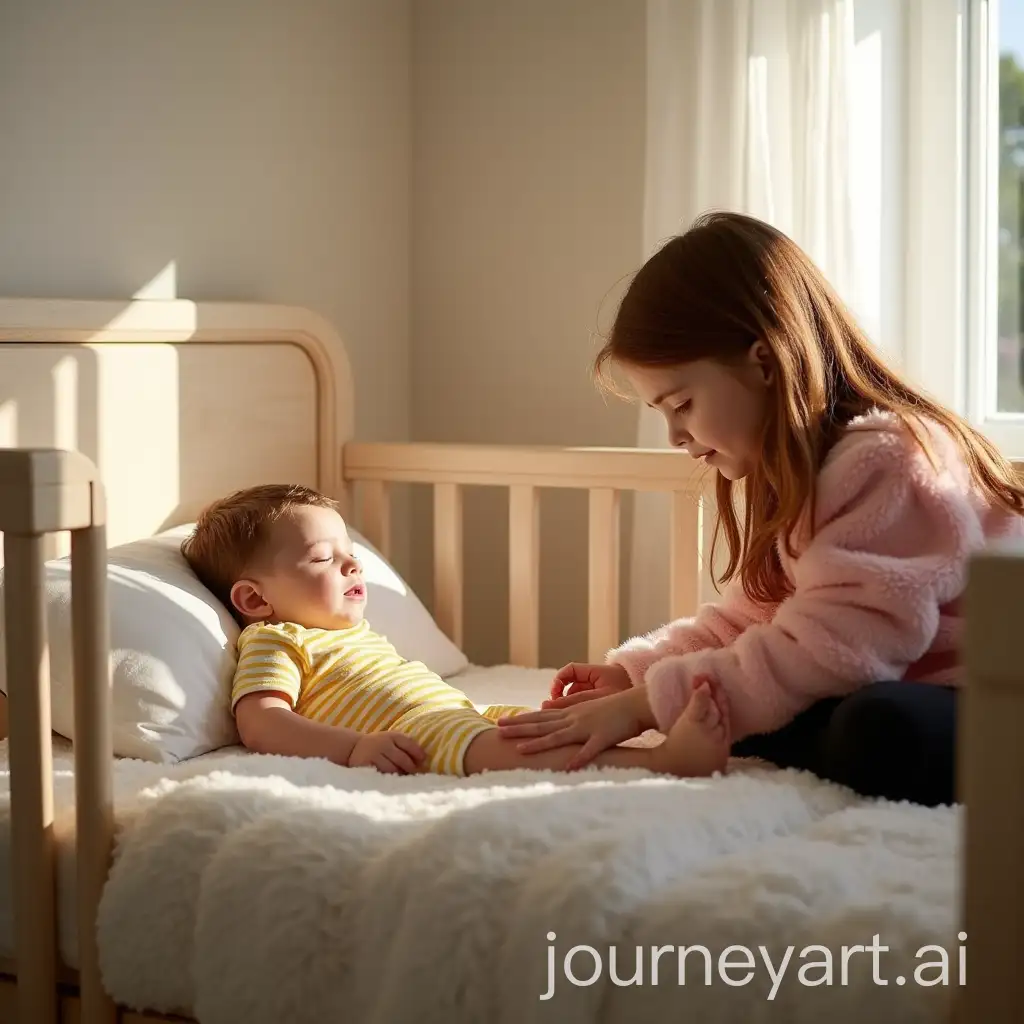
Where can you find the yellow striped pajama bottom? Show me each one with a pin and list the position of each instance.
(445, 733)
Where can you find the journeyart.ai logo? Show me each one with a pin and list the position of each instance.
(735, 966)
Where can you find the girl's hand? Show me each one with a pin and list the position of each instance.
(598, 723)
(586, 682)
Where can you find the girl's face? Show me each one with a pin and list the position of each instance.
(714, 411)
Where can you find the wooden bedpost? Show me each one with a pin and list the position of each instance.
(991, 773)
(47, 491)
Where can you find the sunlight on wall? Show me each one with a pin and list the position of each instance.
(757, 100)
(9, 424)
(878, 168)
(139, 438)
(162, 286)
(8, 439)
(866, 127)
(65, 433)
(65, 404)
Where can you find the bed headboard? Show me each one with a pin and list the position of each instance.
(176, 402)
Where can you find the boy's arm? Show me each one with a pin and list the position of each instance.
(268, 725)
(266, 688)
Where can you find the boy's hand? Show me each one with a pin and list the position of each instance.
(387, 752)
(586, 682)
(598, 723)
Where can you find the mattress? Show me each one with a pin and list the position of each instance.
(260, 889)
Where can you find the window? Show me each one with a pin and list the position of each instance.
(993, 268)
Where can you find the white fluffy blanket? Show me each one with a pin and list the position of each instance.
(260, 889)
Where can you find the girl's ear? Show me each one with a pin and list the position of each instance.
(246, 597)
(760, 356)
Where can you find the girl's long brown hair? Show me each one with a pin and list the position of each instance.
(714, 291)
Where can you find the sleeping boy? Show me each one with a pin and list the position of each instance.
(314, 680)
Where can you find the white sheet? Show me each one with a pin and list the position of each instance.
(256, 889)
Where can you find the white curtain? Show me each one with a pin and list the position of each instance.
(749, 110)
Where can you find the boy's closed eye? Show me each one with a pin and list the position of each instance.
(343, 556)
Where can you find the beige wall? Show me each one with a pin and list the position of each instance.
(528, 129)
(456, 184)
(262, 146)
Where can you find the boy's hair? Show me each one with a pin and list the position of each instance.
(730, 281)
(229, 532)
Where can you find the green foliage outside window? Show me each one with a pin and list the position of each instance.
(1011, 234)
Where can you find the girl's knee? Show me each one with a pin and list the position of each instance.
(870, 727)
(893, 740)
(917, 711)
(881, 705)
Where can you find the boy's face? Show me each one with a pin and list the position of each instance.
(306, 574)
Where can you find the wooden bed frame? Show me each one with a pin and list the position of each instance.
(46, 490)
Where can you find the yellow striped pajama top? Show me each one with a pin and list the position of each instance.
(355, 678)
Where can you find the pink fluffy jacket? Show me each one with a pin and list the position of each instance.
(875, 590)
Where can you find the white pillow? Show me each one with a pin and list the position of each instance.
(172, 646)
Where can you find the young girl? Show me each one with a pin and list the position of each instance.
(834, 645)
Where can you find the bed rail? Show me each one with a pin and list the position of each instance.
(991, 774)
(46, 491)
(525, 471)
